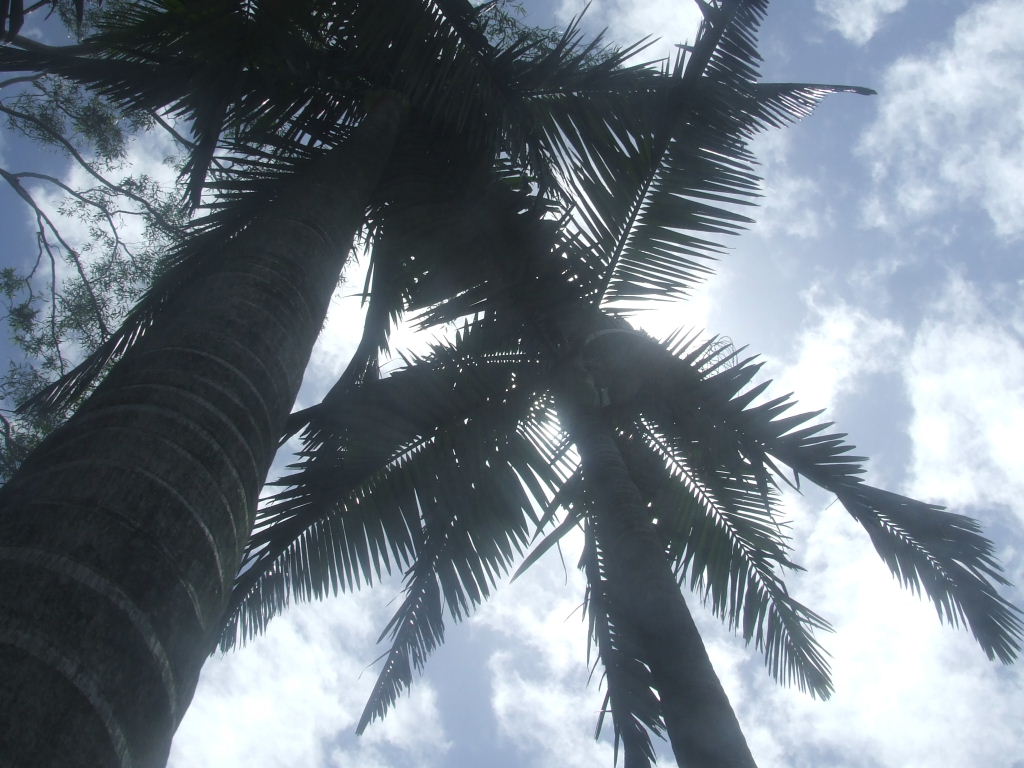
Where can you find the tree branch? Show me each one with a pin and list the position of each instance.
(70, 148)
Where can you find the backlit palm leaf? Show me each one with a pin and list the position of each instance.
(438, 438)
(926, 547)
(726, 543)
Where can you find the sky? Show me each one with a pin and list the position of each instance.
(883, 282)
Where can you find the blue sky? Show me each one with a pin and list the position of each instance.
(884, 282)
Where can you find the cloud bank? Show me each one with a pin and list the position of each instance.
(949, 135)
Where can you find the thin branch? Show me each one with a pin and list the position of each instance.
(60, 50)
(43, 219)
(36, 6)
(171, 130)
(44, 245)
(22, 79)
(158, 217)
(107, 213)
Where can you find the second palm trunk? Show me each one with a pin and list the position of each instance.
(701, 724)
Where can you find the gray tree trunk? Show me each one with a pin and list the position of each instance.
(701, 724)
(121, 535)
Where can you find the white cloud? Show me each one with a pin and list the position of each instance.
(551, 722)
(832, 351)
(293, 697)
(950, 130)
(628, 21)
(965, 380)
(538, 672)
(857, 20)
(791, 205)
(909, 692)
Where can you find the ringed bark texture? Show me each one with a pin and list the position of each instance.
(121, 535)
(700, 721)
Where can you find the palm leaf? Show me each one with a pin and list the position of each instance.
(358, 489)
(925, 547)
(473, 530)
(725, 542)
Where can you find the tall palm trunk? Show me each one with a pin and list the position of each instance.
(701, 724)
(121, 535)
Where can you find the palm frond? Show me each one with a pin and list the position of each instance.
(358, 490)
(573, 518)
(725, 542)
(926, 547)
(384, 305)
(473, 531)
(946, 556)
(657, 178)
(726, 44)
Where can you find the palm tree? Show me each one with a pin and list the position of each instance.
(439, 469)
(122, 533)
(424, 470)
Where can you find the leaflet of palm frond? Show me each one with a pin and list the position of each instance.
(358, 494)
(730, 548)
(775, 105)
(573, 518)
(473, 531)
(206, 128)
(635, 710)
(926, 547)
